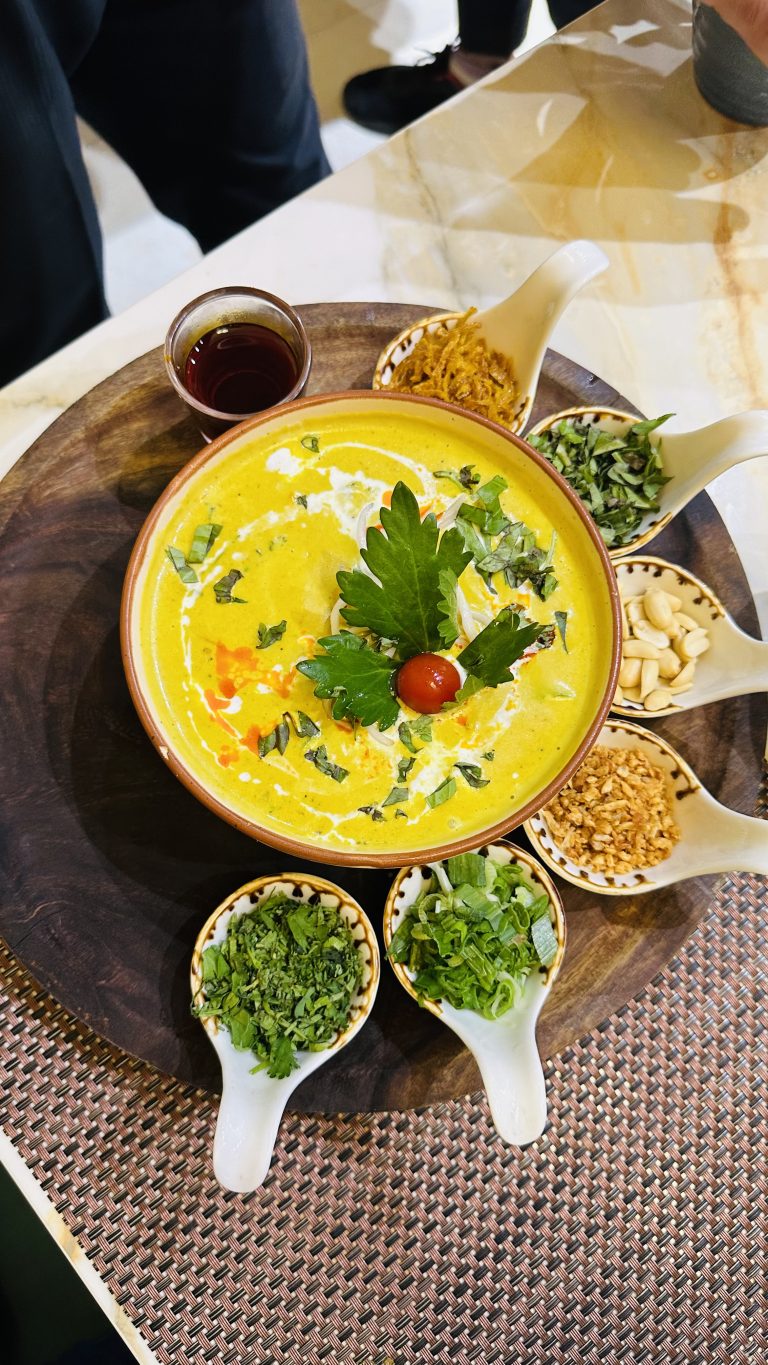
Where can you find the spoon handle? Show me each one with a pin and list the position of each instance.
(514, 1083)
(546, 293)
(246, 1128)
(735, 843)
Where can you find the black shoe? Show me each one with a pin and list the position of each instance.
(389, 97)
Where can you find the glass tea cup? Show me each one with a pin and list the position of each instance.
(233, 352)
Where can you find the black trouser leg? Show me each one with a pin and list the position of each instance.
(493, 27)
(210, 103)
(50, 245)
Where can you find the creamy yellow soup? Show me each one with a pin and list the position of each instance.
(290, 514)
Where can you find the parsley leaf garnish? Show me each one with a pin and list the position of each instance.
(269, 634)
(402, 602)
(358, 678)
(223, 589)
(490, 655)
(323, 764)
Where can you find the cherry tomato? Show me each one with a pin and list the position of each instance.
(426, 682)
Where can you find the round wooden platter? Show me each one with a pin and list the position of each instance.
(109, 866)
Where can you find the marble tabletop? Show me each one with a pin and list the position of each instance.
(598, 133)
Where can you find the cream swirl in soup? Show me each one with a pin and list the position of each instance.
(219, 651)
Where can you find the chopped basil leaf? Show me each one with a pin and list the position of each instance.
(396, 797)
(223, 589)
(472, 774)
(443, 793)
(179, 562)
(404, 767)
(323, 764)
(422, 728)
(267, 635)
(202, 541)
(301, 499)
(305, 727)
(311, 443)
(277, 739)
(400, 815)
(466, 478)
(520, 559)
(561, 621)
(406, 738)
(490, 755)
(373, 811)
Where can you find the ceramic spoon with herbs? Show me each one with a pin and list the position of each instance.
(478, 940)
(284, 974)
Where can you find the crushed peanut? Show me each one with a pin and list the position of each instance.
(615, 814)
(456, 364)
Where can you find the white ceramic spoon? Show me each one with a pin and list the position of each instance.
(520, 325)
(252, 1104)
(505, 1049)
(713, 838)
(691, 459)
(734, 665)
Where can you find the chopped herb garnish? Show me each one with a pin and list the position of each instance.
(443, 793)
(301, 499)
(373, 812)
(402, 601)
(202, 541)
(304, 726)
(311, 443)
(561, 621)
(277, 739)
(475, 945)
(404, 767)
(179, 562)
(359, 680)
(396, 797)
(400, 815)
(522, 561)
(420, 728)
(491, 654)
(489, 755)
(267, 635)
(323, 764)
(466, 478)
(472, 774)
(618, 478)
(223, 589)
(282, 980)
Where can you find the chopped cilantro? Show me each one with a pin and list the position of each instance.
(282, 980)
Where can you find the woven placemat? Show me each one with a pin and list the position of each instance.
(633, 1231)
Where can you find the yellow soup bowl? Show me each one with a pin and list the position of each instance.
(290, 493)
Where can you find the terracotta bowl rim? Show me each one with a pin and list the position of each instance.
(296, 846)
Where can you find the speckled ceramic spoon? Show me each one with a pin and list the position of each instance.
(252, 1103)
(713, 838)
(734, 665)
(505, 1049)
(520, 325)
(691, 459)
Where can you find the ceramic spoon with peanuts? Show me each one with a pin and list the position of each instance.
(692, 651)
(252, 1103)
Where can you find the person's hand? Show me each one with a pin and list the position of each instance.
(750, 20)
